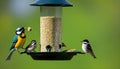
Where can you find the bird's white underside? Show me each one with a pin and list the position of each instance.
(84, 47)
(31, 48)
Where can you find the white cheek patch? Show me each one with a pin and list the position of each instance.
(19, 32)
(33, 44)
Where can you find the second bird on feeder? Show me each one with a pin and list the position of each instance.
(31, 47)
(86, 47)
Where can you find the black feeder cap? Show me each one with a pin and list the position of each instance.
(53, 55)
(63, 3)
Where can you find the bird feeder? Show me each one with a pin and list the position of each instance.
(50, 30)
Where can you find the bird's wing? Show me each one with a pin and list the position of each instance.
(91, 51)
(89, 47)
(14, 42)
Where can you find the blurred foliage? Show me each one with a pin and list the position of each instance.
(96, 20)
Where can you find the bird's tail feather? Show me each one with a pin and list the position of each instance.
(10, 54)
(92, 54)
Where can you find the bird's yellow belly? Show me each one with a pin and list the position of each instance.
(20, 42)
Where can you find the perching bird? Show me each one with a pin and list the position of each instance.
(87, 48)
(17, 42)
(48, 48)
(31, 47)
(62, 45)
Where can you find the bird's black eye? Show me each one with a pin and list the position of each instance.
(85, 43)
(35, 43)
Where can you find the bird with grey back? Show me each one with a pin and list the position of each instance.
(86, 47)
(31, 47)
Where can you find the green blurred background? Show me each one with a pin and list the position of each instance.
(96, 20)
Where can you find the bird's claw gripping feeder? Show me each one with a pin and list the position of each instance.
(50, 30)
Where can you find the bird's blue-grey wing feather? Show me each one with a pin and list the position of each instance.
(14, 42)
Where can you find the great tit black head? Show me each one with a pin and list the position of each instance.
(20, 30)
(85, 40)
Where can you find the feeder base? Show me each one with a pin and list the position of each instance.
(53, 55)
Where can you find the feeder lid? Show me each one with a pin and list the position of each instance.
(63, 3)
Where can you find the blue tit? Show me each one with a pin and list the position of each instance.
(18, 41)
(48, 48)
(86, 47)
(31, 47)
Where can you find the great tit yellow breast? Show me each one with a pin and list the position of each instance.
(20, 41)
